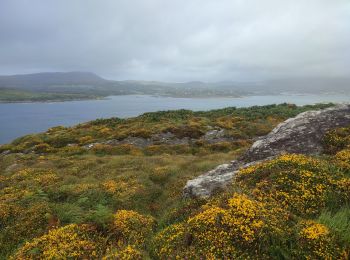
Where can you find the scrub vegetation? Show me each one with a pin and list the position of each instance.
(63, 199)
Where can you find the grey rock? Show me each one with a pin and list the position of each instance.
(215, 180)
(136, 141)
(169, 139)
(302, 134)
(206, 184)
(6, 152)
(12, 167)
(216, 136)
(90, 146)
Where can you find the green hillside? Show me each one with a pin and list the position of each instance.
(84, 192)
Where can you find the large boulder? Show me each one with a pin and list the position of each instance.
(302, 134)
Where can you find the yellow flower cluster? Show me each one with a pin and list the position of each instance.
(110, 186)
(343, 159)
(168, 241)
(82, 187)
(343, 186)
(127, 253)
(86, 139)
(221, 232)
(71, 241)
(296, 181)
(121, 188)
(34, 177)
(132, 227)
(313, 230)
(316, 242)
(46, 178)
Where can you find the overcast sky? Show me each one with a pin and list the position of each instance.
(177, 40)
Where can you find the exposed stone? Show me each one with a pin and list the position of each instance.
(6, 152)
(169, 139)
(215, 180)
(213, 136)
(216, 136)
(89, 146)
(302, 134)
(12, 167)
(136, 141)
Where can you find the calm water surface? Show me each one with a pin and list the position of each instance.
(18, 119)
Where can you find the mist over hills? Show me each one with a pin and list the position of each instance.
(89, 85)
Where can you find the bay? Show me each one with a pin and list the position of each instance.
(18, 119)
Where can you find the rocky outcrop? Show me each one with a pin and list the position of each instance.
(302, 134)
(215, 180)
(210, 137)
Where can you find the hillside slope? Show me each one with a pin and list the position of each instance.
(112, 189)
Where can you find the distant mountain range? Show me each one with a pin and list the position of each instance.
(87, 84)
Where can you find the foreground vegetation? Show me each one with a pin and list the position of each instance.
(59, 199)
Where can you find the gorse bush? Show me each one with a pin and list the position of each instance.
(316, 242)
(132, 227)
(240, 228)
(126, 253)
(336, 140)
(301, 183)
(71, 241)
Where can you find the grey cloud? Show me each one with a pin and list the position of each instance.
(177, 40)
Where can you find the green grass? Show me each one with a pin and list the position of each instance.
(339, 222)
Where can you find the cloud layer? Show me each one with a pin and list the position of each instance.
(178, 40)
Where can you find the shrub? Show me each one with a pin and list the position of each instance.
(316, 242)
(185, 131)
(301, 183)
(126, 253)
(16, 224)
(142, 133)
(85, 139)
(336, 140)
(42, 148)
(132, 227)
(61, 140)
(71, 241)
(240, 228)
(343, 159)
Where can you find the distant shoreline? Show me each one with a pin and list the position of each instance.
(168, 96)
(48, 100)
(107, 97)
